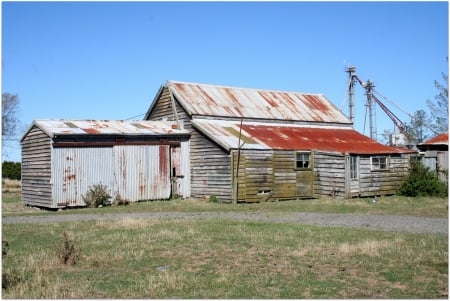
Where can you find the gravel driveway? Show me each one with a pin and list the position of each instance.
(367, 221)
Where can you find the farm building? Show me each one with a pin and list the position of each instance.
(138, 160)
(250, 145)
(435, 155)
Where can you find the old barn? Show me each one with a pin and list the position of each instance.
(138, 160)
(255, 145)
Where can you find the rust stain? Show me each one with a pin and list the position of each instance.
(268, 99)
(230, 94)
(163, 161)
(316, 103)
(206, 95)
(91, 131)
(298, 138)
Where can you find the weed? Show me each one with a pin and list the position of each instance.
(11, 278)
(120, 201)
(214, 199)
(67, 253)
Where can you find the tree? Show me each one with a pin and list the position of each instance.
(439, 110)
(10, 121)
(417, 128)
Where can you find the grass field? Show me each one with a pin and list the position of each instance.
(395, 205)
(132, 258)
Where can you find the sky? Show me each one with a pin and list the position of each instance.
(107, 60)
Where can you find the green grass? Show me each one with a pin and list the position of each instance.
(395, 205)
(132, 258)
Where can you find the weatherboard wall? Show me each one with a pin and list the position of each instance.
(265, 174)
(36, 168)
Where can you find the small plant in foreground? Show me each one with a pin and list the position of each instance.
(67, 253)
(214, 199)
(96, 196)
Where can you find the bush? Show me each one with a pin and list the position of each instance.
(67, 253)
(96, 196)
(119, 201)
(11, 170)
(422, 182)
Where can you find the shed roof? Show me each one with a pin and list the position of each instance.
(259, 135)
(60, 127)
(223, 101)
(441, 139)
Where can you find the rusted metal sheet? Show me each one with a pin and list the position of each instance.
(133, 172)
(282, 136)
(61, 127)
(441, 139)
(75, 169)
(209, 100)
(142, 172)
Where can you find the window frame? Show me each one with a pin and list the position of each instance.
(378, 166)
(296, 161)
(354, 167)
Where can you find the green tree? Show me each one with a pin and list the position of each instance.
(438, 120)
(417, 128)
(11, 170)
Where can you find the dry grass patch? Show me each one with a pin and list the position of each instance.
(223, 259)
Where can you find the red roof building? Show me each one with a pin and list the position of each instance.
(255, 145)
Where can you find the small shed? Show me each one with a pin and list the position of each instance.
(138, 160)
(435, 155)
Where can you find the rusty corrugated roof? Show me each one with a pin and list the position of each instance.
(57, 127)
(282, 136)
(441, 139)
(210, 100)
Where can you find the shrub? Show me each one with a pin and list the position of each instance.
(422, 182)
(119, 201)
(214, 199)
(96, 196)
(11, 170)
(67, 253)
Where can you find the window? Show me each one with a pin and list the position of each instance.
(303, 160)
(353, 167)
(379, 163)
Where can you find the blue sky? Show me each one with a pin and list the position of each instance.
(107, 60)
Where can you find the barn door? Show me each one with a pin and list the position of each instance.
(142, 172)
(304, 174)
(176, 173)
(354, 174)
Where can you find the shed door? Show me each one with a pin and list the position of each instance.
(142, 172)
(304, 174)
(354, 174)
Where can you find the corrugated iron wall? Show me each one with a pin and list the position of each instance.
(142, 172)
(75, 169)
(135, 172)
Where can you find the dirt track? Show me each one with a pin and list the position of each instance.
(367, 221)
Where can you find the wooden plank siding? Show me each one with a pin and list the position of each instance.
(330, 174)
(271, 174)
(383, 182)
(265, 175)
(210, 165)
(36, 169)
